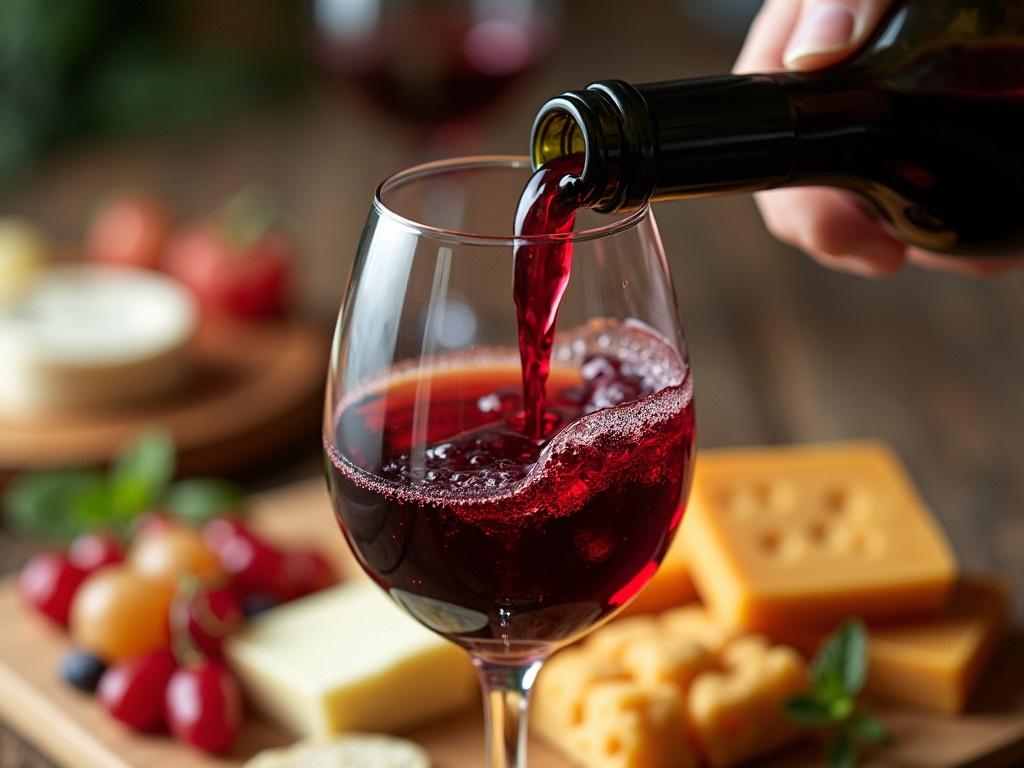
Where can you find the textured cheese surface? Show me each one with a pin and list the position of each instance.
(668, 692)
(349, 659)
(85, 335)
(812, 535)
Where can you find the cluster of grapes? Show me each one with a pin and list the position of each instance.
(149, 620)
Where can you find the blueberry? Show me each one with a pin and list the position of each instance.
(257, 603)
(82, 670)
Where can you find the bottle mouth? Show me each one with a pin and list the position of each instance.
(557, 132)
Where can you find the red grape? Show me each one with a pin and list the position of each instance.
(306, 571)
(92, 551)
(133, 691)
(48, 583)
(203, 706)
(220, 530)
(254, 564)
(207, 618)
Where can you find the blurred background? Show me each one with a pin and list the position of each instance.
(310, 103)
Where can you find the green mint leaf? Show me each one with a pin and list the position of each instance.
(141, 474)
(808, 710)
(843, 752)
(198, 499)
(869, 728)
(841, 665)
(54, 504)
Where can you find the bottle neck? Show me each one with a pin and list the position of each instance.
(735, 133)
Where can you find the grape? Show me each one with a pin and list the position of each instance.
(170, 554)
(206, 619)
(133, 691)
(82, 670)
(119, 614)
(48, 583)
(203, 707)
(91, 551)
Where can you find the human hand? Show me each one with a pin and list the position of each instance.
(828, 223)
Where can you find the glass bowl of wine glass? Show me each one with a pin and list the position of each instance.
(510, 535)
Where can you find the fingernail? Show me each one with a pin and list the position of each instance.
(825, 28)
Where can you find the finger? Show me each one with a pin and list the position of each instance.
(972, 267)
(830, 30)
(830, 226)
(768, 36)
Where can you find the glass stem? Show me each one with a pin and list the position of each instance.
(506, 690)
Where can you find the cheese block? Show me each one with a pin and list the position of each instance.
(348, 659)
(671, 691)
(809, 536)
(86, 336)
(935, 664)
(737, 713)
(669, 587)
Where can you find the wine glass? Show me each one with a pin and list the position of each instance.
(433, 64)
(508, 546)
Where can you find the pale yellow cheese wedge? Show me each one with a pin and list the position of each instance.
(348, 659)
(812, 535)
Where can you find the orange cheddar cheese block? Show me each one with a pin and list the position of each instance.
(935, 663)
(669, 587)
(808, 536)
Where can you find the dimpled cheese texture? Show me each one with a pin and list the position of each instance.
(934, 664)
(809, 536)
(348, 659)
(670, 586)
(737, 713)
(660, 692)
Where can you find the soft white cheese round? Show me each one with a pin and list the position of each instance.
(354, 750)
(86, 336)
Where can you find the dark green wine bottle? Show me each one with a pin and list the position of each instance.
(926, 122)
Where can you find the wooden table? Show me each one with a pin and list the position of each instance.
(782, 350)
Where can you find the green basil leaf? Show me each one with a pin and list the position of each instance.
(198, 499)
(141, 473)
(841, 665)
(869, 728)
(808, 710)
(843, 752)
(55, 504)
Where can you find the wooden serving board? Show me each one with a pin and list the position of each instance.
(73, 730)
(255, 388)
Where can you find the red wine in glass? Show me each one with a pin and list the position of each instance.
(488, 535)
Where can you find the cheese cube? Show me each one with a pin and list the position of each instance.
(809, 536)
(670, 586)
(737, 714)
(348, 659)
(654, 692)
(935, 663)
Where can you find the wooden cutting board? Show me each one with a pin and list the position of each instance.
(72, 729)
(256, 388)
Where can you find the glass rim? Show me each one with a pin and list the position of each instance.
(476, 162)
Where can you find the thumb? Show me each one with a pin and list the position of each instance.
(830, 30)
